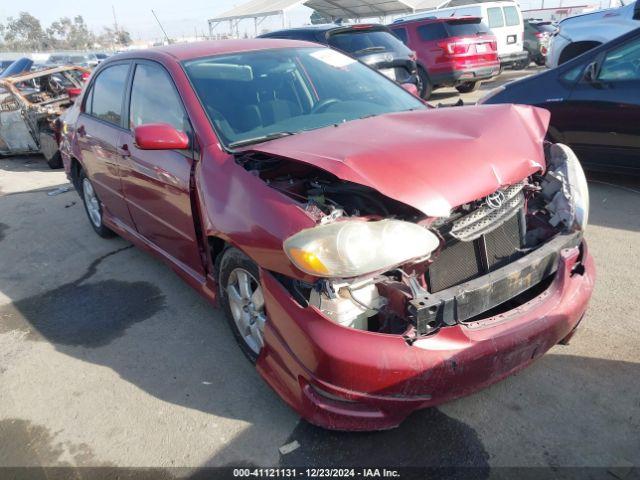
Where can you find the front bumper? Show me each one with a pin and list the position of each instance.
(346, 379)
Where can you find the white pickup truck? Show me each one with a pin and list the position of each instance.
(579, 34)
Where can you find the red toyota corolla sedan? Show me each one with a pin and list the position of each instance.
(373, 255)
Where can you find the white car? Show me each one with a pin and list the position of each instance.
(579, 34)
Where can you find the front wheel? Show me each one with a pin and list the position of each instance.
(93, 207)
(242, 300)
(468, 87)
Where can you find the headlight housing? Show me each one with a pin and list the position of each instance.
(565, 165)
(356, 247)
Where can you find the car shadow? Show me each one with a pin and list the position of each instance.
(24, 163)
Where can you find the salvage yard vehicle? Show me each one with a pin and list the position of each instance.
(372, 44)
(579, 34)
(504, 18)
(536, 40)
(30, 104)
(451, 52)
(594, 102)
(373, 255)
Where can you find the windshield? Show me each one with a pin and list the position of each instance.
(255, 95)
(360, 42)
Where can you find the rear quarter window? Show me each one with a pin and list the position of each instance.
(432, 31)
(495, 17)
(511, 16)
(401, 33)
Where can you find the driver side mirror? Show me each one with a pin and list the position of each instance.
(591, 72)
(411, 88)
(160, 136)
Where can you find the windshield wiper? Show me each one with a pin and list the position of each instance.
(260, 139)
(370, 49)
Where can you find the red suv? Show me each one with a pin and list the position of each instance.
(452, 52)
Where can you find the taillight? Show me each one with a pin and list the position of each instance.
(454, 48)
(539, 35)
(494, 45)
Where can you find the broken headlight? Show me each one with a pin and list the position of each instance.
(565, 187)
(353, 247)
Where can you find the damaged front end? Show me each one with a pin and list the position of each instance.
(30, 107)
(375, 264)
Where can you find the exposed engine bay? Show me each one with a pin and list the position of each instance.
(492, 254)
(30, 105)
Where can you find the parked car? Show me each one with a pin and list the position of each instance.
(451, 52)
(80, 60)
(372, 44)
(594, 103)
(30, 105)
(101, 56)
(536, 40)
(504, 18)
(373, 255)
(582, 33)
(17, 67)
(4, 64)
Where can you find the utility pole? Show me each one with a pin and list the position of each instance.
(161, 28)
(115, 20)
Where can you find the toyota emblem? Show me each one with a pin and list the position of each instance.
(495, 200)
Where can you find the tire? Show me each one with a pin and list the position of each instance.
(55, 162)
(468, 87)
(523, 64)
(93, 207)
(243, 306)
(426, 86)
(540, 62)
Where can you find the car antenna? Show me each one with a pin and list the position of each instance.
(161, 28)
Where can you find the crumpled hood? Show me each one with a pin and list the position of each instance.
(432, 160)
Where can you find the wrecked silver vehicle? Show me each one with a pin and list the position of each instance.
(30, 105)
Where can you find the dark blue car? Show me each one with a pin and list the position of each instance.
(594, 101)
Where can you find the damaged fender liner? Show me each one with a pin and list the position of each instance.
(464, 302)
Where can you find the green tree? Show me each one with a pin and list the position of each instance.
(72, 34)
(25, 33)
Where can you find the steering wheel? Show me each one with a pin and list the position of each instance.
(322, 105)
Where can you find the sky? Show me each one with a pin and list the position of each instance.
(181, 18)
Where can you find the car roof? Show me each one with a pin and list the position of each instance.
(326, 27)
(432, 20)
(188, 51)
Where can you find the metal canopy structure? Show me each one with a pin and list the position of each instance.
(258, 10)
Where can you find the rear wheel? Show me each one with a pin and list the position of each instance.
(93, 207)
(426, 87)
(242, 300)
(55, 161)
(468, 87)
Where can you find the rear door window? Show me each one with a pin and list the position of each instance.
(432, 31)
(496, 19)
(401, 33)
(108, 92)
(511, 16)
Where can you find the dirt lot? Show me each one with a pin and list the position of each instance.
(107, 358)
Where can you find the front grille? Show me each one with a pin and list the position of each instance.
(462, 261)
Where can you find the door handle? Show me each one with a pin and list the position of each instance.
(123, 150)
